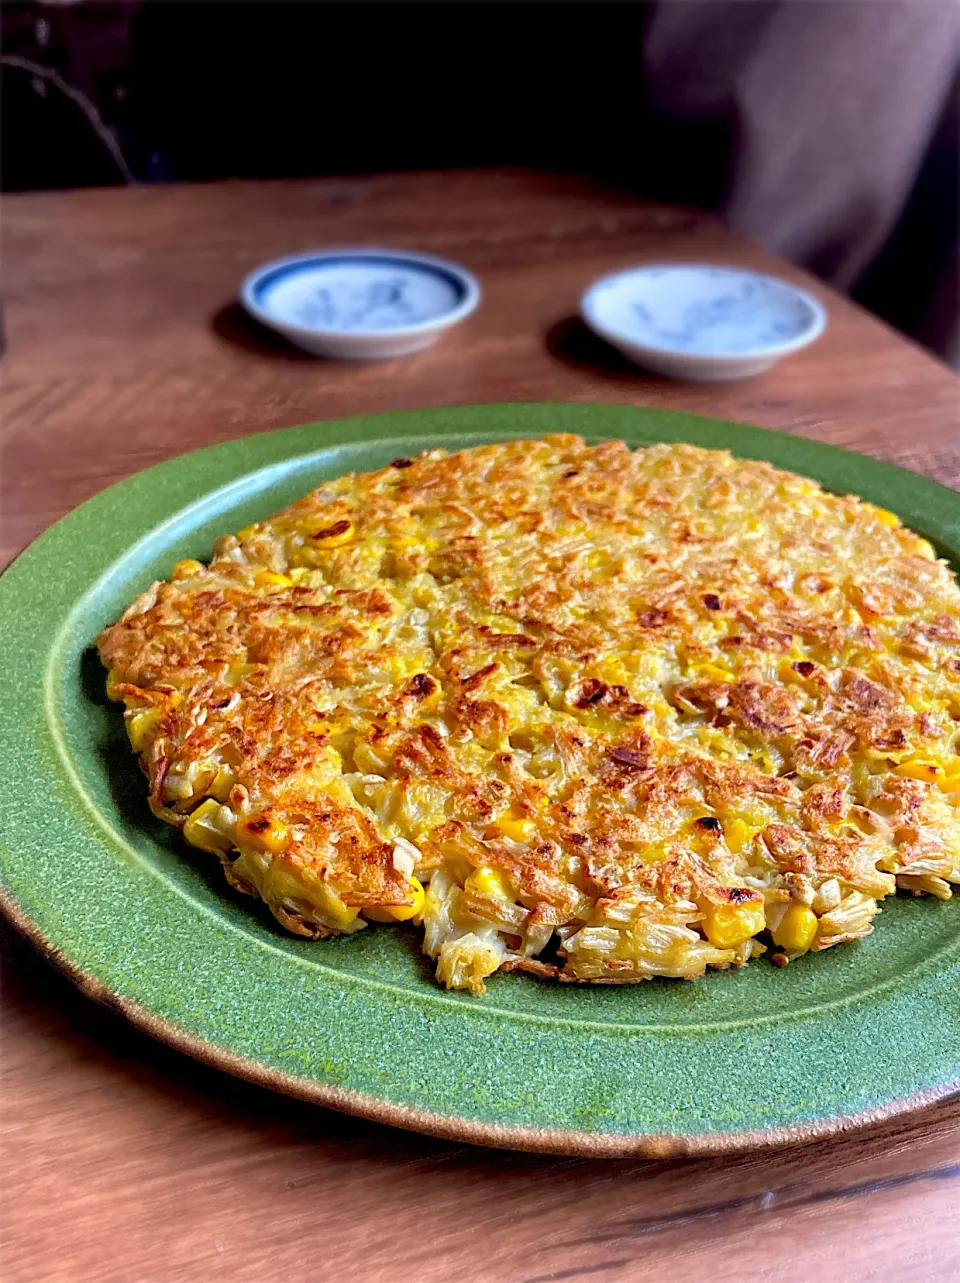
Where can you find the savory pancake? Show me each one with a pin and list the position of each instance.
(642, 712)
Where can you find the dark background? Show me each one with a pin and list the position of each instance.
(209, 90)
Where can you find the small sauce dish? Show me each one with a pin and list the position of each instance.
(700, 321)
(361, 304)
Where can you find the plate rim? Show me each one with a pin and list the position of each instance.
(819, 316)
(253, 284)
(453, 1126)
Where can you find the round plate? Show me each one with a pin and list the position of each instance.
(361, 303)
(141, 921)
(701, 321)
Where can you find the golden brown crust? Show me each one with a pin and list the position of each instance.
(634, 685)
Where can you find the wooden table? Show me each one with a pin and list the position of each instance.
(124, 1160)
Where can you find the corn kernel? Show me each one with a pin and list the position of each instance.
(712, 671)
(247, 532)
(334, 536)
(736, 834)
(404, 912)
(487, 881)
(918, 769)
(264, 832)
(426, 690)
(888, 518)
(401, 912)
(926, 549)
(797, 929)
(202, 829)
(268, 578)
(141, 726)
(184, 569)
(516, 826)
(728, 925)
(223, 782)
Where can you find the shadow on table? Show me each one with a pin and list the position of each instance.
(235, 325)
(574, 343)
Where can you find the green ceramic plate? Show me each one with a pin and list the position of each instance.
(739, 1058)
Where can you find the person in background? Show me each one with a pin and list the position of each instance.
(828, 130)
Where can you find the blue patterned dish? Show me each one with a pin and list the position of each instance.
(361, 303)
(698, 321)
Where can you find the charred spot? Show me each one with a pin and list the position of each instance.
(739, 895)
(572, 472)
(619, 698)
(421, 685)
(652, 618)
(943, 634)
(709, 824)
(773, 641)
(735, 640)
(893, 739)
(402, 463)
(260, 824)
(432, 737)
(591, 691)
(479, 677)
(864, 694)
(338, 528)
(805, 668)
(631, 757)
(481, 716)
(578, 839)
(505, 639)
(711, 601)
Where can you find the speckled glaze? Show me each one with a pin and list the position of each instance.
(139, 920)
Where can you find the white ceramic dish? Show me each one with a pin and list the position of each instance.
(361, 303)
(700, 321)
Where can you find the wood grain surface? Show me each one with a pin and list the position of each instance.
(124, 1161)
